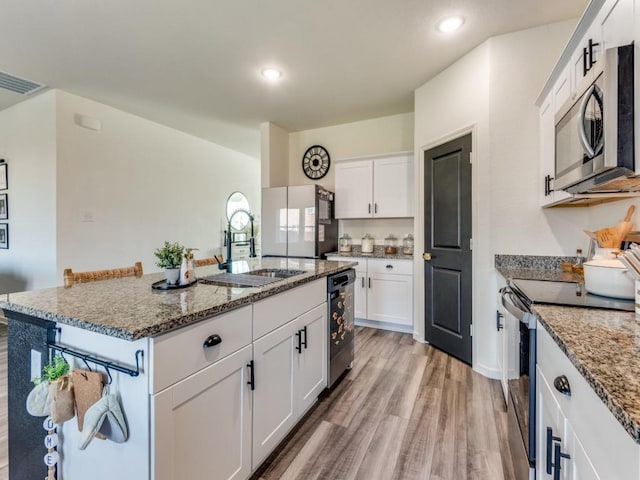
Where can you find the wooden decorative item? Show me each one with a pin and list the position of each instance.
(71, 277)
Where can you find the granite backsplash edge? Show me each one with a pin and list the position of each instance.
(532, 262)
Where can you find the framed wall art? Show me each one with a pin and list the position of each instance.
(4, 206)
(4, 235)
(3, 176)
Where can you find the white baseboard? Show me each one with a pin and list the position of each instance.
(488, 372)
(393, 327)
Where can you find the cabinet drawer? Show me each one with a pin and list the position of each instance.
(178, 354)
(591, 420)
(399, 267)
(275, 311)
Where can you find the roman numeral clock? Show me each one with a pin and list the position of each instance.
(316, 162)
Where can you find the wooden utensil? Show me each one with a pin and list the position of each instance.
(608, 237)
(624, 226)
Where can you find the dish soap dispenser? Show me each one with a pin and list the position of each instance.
(187, 269)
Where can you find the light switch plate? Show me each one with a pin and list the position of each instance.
(36, 364)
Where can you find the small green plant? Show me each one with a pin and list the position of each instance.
(169, 255)
(52, 371)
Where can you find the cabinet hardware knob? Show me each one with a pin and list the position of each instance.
(426, 256)
(561, 384)
(389, 266)
(212, 340)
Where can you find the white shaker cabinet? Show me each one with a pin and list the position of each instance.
(375, 187)
(202, 424)
(290, 371)
(383, 293)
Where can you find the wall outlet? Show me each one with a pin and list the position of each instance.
(36, 364)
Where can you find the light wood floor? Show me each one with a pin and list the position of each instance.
(405, 411)
(4, 441)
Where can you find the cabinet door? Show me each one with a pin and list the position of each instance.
(393, 186)
(202, 424)
(581, 466)
(390, 298)
(618, 23)
(551, 434)
(310, 377)
(502, 340)
(354, 189)
(360, 294)
(274, 395)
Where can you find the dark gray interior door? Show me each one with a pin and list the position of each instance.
(447, 240)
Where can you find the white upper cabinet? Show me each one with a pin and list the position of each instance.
(375, 187)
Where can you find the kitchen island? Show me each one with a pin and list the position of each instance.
(191, 408)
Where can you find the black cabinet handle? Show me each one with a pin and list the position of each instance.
(304, 342)
(369, 208)
(362, 282)
(558, 456)
(252, 379)
(299, 346)
(550, 439)
(375, 208)
(212, 341)
(592, 60)
(369, 282)
(389, 267)
(585, 61)
(547, 185)
(561, 384)
(499, 316)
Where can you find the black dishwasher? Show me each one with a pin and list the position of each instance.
(341, 345)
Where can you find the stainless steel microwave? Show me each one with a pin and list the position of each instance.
(594, 133)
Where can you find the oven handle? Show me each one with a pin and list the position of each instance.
(511, 304)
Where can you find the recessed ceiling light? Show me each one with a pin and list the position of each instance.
(450, 24)
(271, 73)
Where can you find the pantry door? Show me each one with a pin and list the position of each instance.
(447, 253)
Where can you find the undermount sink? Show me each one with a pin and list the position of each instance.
(255, 278)
(275, 272)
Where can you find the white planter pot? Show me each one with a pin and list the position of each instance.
(172, 275)
(608, 278)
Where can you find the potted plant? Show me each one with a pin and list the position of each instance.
(170, 257)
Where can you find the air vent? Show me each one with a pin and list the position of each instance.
(18, 85)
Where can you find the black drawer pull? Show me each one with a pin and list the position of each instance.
(550, 439)
(558, 458)
(299, 346)
(212, 340)
(499, 316)
(562, 385)
(389, 266)
(252, 380)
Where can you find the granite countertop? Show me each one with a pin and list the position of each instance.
(130, 309)
(378, 252)
(604, 345)
(540, 274)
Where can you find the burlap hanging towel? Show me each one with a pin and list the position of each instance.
(62, 405)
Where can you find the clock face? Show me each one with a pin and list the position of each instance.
(315, 162)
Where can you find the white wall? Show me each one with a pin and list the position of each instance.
(376, 136)
(27, 143)
(139, 183)
(491, 92)
(274, 155)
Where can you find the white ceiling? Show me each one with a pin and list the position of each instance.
(195, 64)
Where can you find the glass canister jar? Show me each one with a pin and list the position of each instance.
(367, 243)
(407, 244)
(345, 243)
(390, 245)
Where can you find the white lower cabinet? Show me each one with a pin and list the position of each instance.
(202, 424)
(383, 293)
(290, 372)
(578, 438)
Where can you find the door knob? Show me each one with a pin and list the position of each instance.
(426, 256)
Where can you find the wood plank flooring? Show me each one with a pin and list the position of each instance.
(4, 421)
(405, 411)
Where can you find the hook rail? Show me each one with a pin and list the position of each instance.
(105, 363)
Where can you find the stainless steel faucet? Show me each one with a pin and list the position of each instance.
(228, 239)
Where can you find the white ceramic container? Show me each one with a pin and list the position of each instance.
(609, 278)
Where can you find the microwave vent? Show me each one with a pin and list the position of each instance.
(625, 184)
(18, 85)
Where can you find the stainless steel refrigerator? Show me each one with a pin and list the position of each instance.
(298, 221)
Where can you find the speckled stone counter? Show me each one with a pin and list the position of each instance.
(604, 345)
(128, 308)
(542, 274)
(535, 267)
(378, 252)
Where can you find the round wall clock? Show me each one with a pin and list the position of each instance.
(316, 162)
